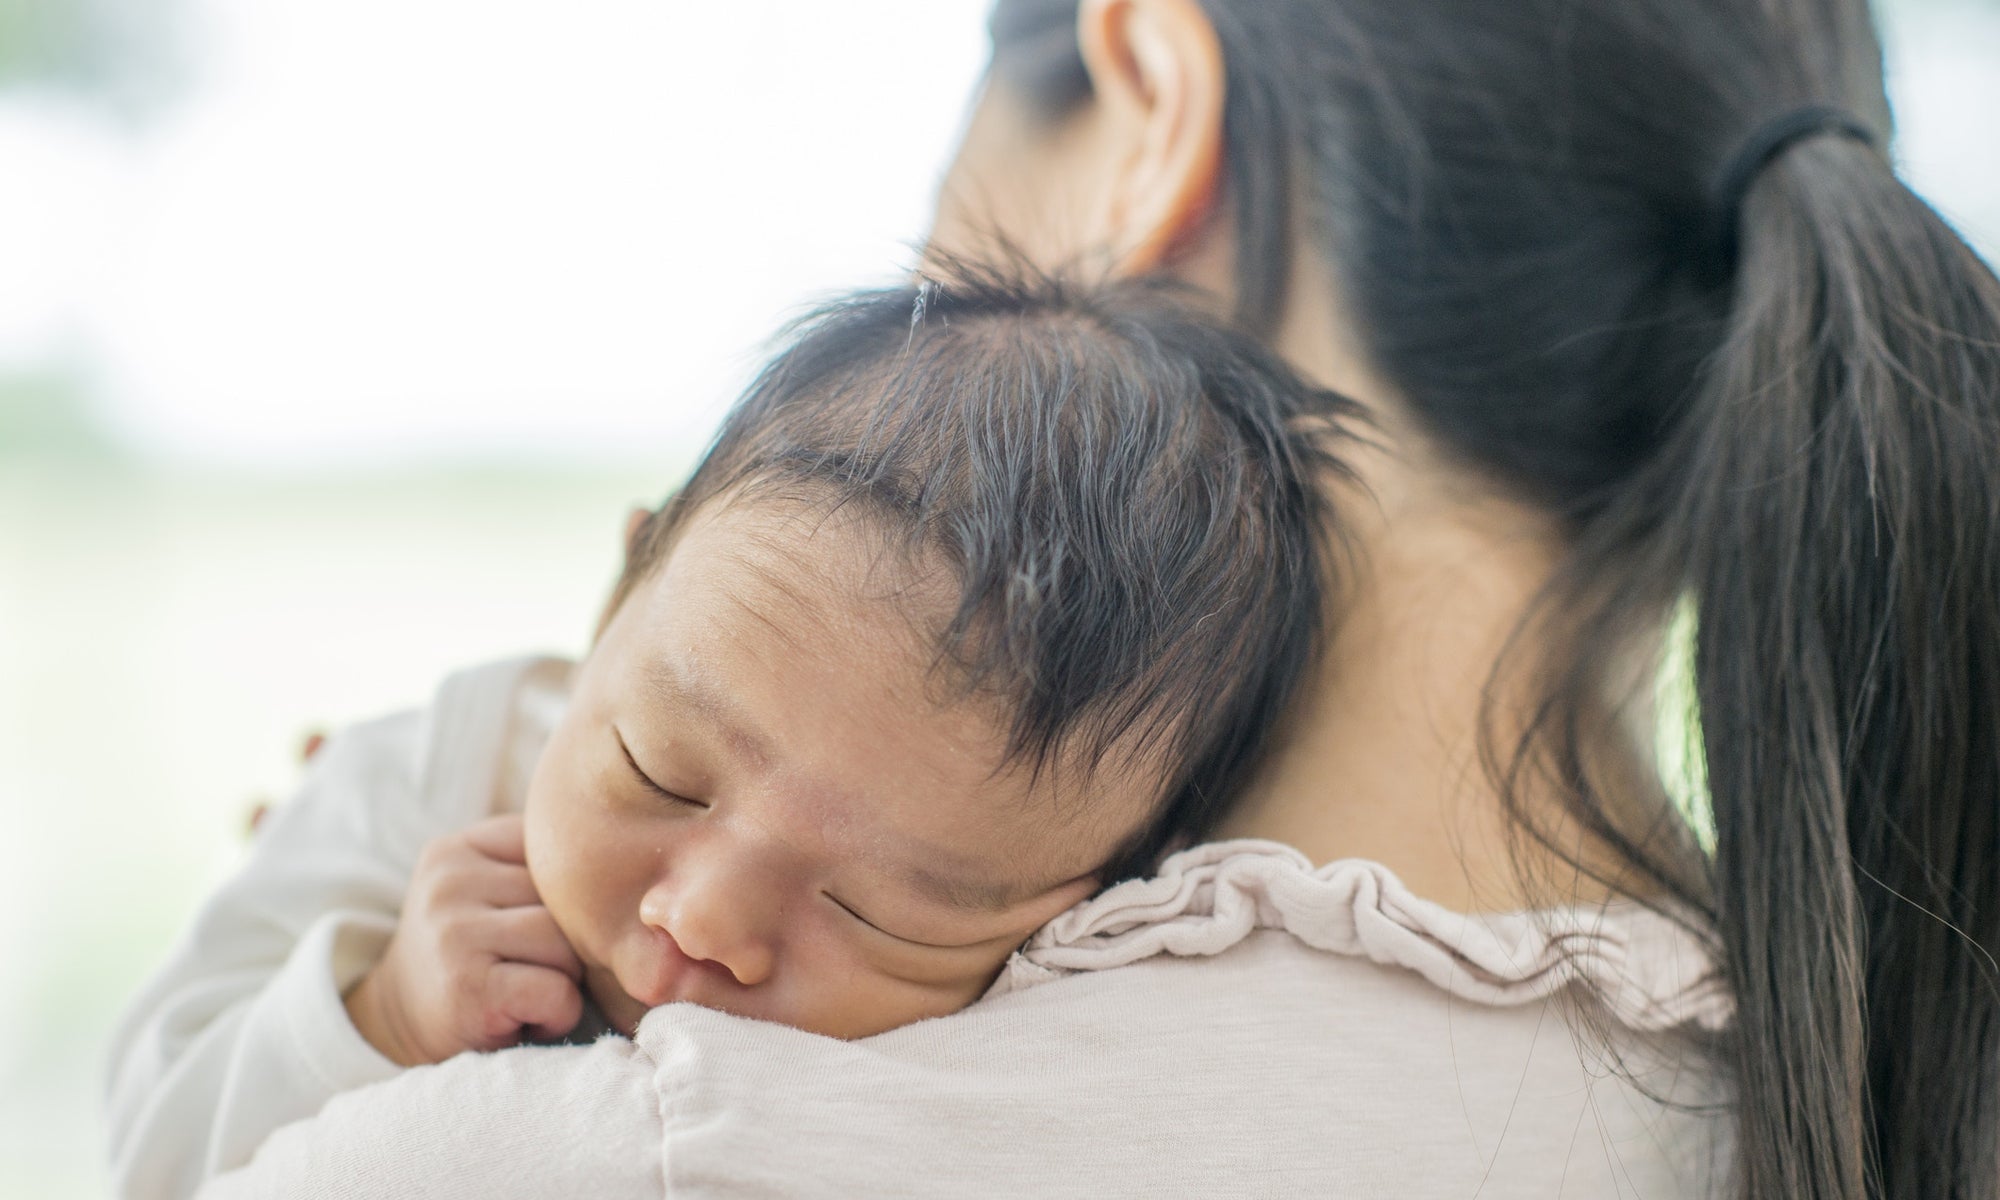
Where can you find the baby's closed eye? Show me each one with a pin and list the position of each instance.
(650, 784)
(971, 943)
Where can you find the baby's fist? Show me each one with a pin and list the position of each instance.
(476, 960)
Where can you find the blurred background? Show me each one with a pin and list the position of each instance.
(337, 338)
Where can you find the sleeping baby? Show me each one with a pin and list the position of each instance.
(986, 595)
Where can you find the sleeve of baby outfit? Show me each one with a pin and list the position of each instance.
(244, 1029)
(531, 1123)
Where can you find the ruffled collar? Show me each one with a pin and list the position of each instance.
(1648, 971)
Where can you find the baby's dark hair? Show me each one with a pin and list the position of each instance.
(1131, 495)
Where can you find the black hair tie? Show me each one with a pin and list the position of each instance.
(1766, 142)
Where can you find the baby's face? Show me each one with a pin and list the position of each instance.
(756, 803)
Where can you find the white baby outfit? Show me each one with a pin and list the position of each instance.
(1240, 1024)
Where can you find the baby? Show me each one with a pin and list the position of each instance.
(988, 593)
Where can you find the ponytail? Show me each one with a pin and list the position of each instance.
(1839, 517)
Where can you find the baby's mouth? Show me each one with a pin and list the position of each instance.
(659, 971)
(652, 971)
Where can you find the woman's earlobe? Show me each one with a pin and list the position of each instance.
(1156, 69)
(635, 525)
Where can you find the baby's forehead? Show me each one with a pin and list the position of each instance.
(788, 575)
(814, 545)
(773, 613)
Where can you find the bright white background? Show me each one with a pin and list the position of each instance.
(444, 226)
(334, 339)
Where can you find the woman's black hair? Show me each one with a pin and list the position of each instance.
(1795, 427)
(1128, 494)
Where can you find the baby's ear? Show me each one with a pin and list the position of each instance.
(1064, 897)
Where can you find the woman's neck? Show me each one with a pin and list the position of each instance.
(1382, 757)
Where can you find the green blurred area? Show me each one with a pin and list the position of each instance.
(47, 415)
(85, 45)
(126, 54)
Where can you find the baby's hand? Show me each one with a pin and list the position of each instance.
(475, 961)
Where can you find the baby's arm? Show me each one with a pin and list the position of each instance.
(476, 960)
(243, 1030)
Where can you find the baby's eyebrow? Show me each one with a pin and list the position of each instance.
(673, 683)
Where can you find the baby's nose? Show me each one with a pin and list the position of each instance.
(717, 916)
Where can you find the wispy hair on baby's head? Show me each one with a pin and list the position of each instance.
(1130, 493)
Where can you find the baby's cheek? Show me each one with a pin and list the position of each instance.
(921, 985)
(544, 835)
(570, 862)
(546, 817)
(542, 848)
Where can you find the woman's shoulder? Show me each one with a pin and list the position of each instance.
(533, 1122)
(1646, 969)
(1242, 1022)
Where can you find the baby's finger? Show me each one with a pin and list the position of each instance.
(499, 838)
(503, 885)
(528, 934)
(481, 881)
(530, 1000)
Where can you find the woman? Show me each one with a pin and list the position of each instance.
(1643, 319)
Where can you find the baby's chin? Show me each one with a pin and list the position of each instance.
(621, 1011)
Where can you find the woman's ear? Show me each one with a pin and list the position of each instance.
(1156, 71)
(635, 524)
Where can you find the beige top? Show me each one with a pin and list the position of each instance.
(1241, 1024)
